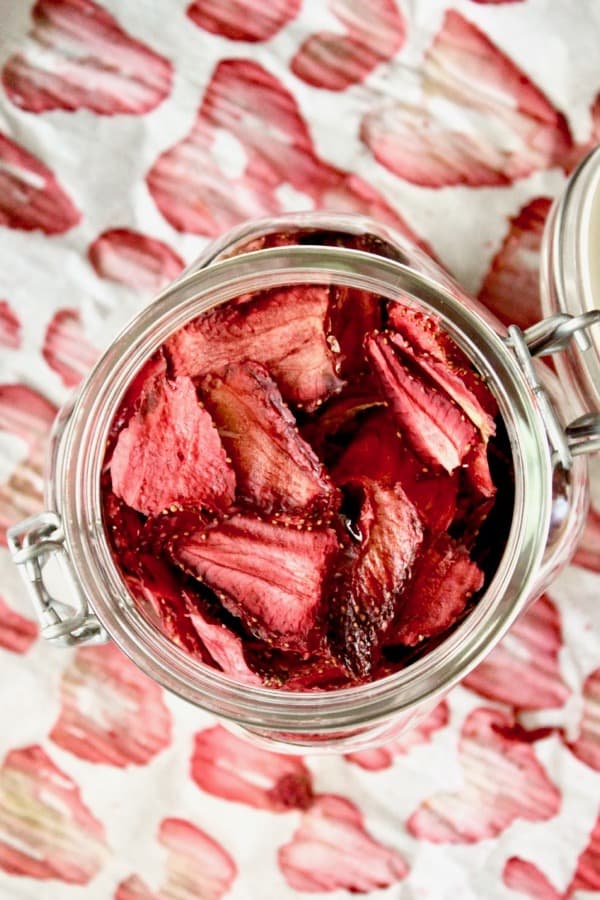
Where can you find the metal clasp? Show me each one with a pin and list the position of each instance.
(33, 543)
(553, 335)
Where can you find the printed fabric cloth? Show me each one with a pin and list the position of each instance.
(131, 134)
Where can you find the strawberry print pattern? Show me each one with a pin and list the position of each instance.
(465, 69)
(10, 326)
(78, 57)
(30, 195)
(66, 348)
(243, 20)
(136, 260)
(196, 866)
(503, 781)
(374, 33)
(110, 711)
(129, 135)
(46, 830)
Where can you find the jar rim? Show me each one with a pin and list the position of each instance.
(80, 461)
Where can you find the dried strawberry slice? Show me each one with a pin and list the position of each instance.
(276, 470)
(224, 646)
(286, 329)
(434, 426)
(271, 576)
(170, 452)
(452, 381)
(377, 452)
(124, 526)
(444, 580)
(390, 535)
(158, 591)
(354, 313)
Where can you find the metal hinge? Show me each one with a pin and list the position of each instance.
(33, 543)
(553, 335)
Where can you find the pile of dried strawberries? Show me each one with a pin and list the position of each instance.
(295, 486)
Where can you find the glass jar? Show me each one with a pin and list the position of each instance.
(549, 429)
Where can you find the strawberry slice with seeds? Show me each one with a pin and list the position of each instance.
(276, 470)
(444, 580)
(224, 646)
(271, 576)
(423, 342)
(436, 428)
(170, 453)
(377, 452)
(389, 534)
(286, 329)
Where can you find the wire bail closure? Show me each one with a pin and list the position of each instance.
(33, 543)
(553, 335)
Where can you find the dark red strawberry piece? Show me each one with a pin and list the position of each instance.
(443, 582)
(271, 576)
(170, 452)
(377, 452)
(354, 313)
(451, 380)
(276, 470)
(285, 329)
(389, 534)
(430, 422)
(330, 428)
(291, 671)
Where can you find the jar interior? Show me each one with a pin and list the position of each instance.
(510, 564)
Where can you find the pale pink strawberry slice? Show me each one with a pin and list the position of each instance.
(331, 850)
(66, 348)
(170, 453)
(511, 287)
(389, 534)
(30, 195)
(588, 551)
(525, 877)
(10, 326)
(503, 782)
(46, 830)
(17, 633)
(377, 452)
(134, 259)
(197, 866)
(286, 330)
(26, 414)
(430, 422)
(466, 78)
(383, 757)
(194, 190)
(272, 576)
(523, 670)
(242, 20)
(374, 34)
(454, 380)
(587, 745)
(78, 57)
(444, 580)
(276, 470)
(229, 767)
(129, 723)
